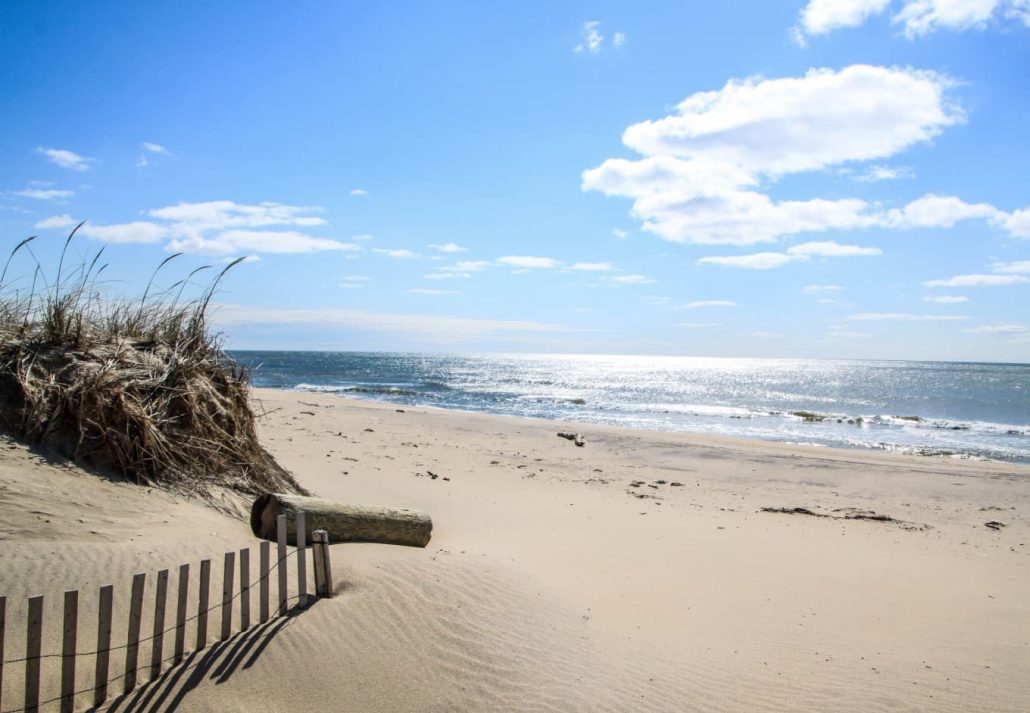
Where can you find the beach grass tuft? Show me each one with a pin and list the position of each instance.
(139, 386)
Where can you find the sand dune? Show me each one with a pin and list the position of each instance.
(563, 578)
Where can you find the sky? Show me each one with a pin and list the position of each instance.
(788, 178)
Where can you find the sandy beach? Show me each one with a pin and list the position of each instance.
(640, 571)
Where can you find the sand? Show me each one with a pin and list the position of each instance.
(552, 582)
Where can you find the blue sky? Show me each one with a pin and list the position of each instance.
(833, 178)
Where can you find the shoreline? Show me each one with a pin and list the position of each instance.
(700, 436)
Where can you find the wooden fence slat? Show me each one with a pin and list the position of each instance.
(157, 648)
(281, 553)
(302, 562)
(3, 628)
(265, 574)
(180, 612)
(103, 644)
(205, 587)
(327, 566)
(132, 640)
(227, 587)
(33, 648)
(318, 562)
(71, 631)
(244, 589)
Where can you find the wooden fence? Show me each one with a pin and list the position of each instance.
(101, 655)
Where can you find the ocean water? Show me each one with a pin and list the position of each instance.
(945, 409)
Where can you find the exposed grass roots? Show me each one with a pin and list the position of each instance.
(141, 387)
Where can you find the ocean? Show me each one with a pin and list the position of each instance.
(944, 409)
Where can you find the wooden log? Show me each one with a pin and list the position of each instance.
(344, 523)
(157, 647)
(105, 609)
(71, 632)
(132, 642)
(33, 649)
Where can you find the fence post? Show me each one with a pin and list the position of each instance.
(302, 559)
(227, 577)
(244, 589)
(205, 587)
(180, 612)
(71, 630)
(132, 642)
(327, 566)
(157, 646)
(103, 644)
(318, 562)
(266, 556)
(33, 646)
(281, 552)
(3, 627)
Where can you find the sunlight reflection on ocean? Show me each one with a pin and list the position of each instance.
(953, 409)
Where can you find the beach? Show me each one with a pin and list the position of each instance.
(641, 571)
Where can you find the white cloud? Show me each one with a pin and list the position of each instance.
(593, 266)
(933, 211)
(142, 162)
(56, 222)
(846, 334)
(462, 269)
(697, 181)
(905, 317)
(821, 16)
(527, 261)
(592, 39)
(363, 237)
(438, 328)
(1020, 266)
(632, 280)
(44, 194)
(359, 192)
(449, 248)
(998, 329)
(921, 17)
(65, 158)
(946, 299)
(137, 232)
(977, 281)
(880, 172)
(1018, 222)
(156, 148)
(618, 39)
(395, 253)
(821, 288)
(710, 303)
(829, 248)
(425, 291)
(223, 228)
(756, 261)
(619, 233)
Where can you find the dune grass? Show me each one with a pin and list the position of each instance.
(141, 386)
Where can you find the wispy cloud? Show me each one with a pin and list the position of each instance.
(528, 262)
(355, 282)
(946, 299)
(358, 192)
(998, 329)
(632, 280)
(449, 248)
(1018, 267)
(56, 222)
(44, 194)
(916, 17)
(905, 317)
(804, 251)
(880, 172)
(710, 303)
(396, 253)
(155, 148)
(821, 288)
(755, 261)
(431, 292)
(136, 232)
(977, 281)
(593, 266)
(65, 158)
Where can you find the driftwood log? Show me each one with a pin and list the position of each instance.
(344, 523)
